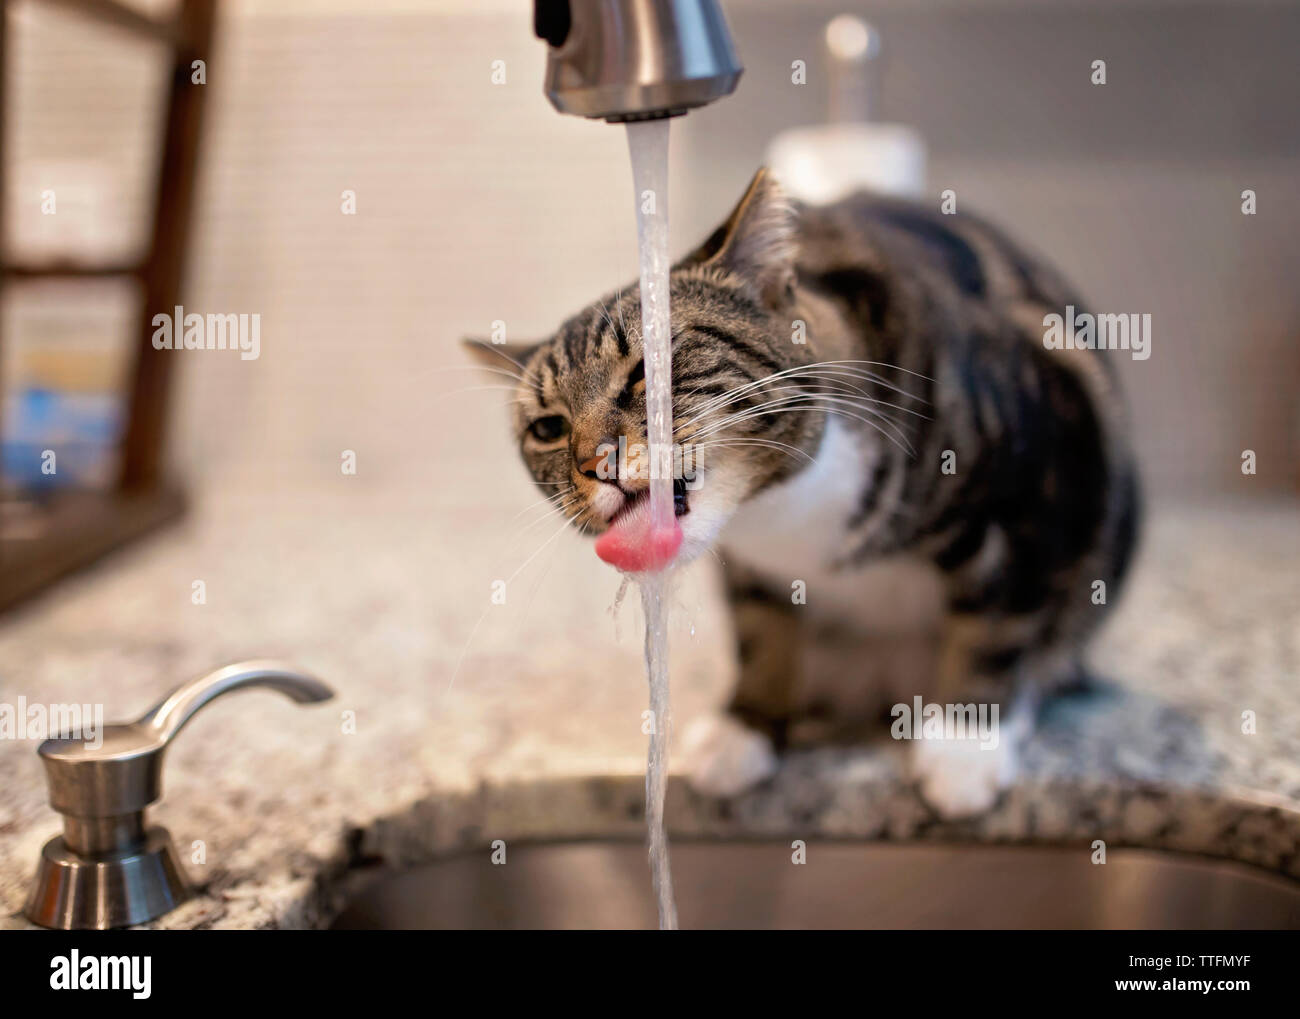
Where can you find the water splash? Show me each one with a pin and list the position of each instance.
(647, 143)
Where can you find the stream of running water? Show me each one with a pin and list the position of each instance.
(648, 147)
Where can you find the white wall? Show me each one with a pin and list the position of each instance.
(477, 202)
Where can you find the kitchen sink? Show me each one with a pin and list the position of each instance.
(744, 885)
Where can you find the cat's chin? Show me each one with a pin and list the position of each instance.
(698, 536)
(713, 505)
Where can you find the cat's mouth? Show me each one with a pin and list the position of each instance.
(681, 504)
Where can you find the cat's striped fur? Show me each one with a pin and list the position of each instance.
(904, 348)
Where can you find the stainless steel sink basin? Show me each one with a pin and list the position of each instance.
(842, 885)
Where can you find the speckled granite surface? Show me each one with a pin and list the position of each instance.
(476, 722)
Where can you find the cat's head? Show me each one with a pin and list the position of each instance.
(580, 394)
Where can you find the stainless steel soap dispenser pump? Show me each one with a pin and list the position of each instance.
(107, 869)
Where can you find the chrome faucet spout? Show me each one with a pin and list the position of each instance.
(621, 60)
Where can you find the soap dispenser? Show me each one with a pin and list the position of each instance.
(851, 151)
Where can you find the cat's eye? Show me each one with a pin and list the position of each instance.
(549, 429)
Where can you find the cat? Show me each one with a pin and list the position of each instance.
(911, 495)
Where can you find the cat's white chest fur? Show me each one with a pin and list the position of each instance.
(798, 526)
(797, 531)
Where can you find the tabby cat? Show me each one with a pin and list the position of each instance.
(911, 496)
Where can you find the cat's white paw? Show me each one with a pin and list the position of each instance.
(723, 757)
(959, 777)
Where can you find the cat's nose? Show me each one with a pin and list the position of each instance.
(600, 462)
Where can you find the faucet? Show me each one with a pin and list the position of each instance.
(107, 869)
(625, 60)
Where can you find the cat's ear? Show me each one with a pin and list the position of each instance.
(510, 357)
(757, 241)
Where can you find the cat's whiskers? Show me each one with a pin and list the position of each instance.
(460, 660)
(847, 392)
(795, 394)
(550, 564)
(838, 378)
(827, 404)
(482, 389)
(522, 566)
(562, 497)
(739, 441)
(820, 369)
(561, 509)
(843, 368)
(523, 377)
(608, 318)
(889, 429)
(480, 368)
(545, 500)
(824, 391)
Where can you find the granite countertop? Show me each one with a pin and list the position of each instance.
(476, 722)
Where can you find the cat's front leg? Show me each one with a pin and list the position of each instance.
(730, 752)
(965, 756)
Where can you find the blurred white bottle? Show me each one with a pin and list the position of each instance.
(825, 162)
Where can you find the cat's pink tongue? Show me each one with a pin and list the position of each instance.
(634, 545)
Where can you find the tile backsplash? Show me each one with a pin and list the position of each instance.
(476, 202)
